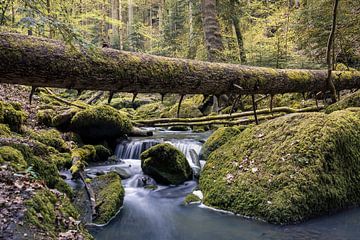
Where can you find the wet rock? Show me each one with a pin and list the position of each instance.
(123, 173)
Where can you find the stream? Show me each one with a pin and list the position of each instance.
(161, 214)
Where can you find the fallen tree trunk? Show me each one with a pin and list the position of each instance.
(241, 123)
(44, 62)
(157, 122)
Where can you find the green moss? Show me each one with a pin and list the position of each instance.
(14, 157)
(83, 155)
(100, 123)
(109, 194)
(165, 164)
(5, 130)
(51, 138)
(352, 100)
(44, 210)
(189, 109)
(151, 110)
(191, 198)
(102, 153)
(11, 116)
(45, 117)
(217, 139)
(288, 169)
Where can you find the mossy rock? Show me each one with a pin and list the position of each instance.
(352, 100)
(11, 115)
(102, 153)
(289, 169)
(191, 198)
(43, 165)
(5, 130)
(109, 194)
(100, 123)
(50, 137)
(166, 164)
(217, 139)
(45, 209)
(44, 117)
(13, 157)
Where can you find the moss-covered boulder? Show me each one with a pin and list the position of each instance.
(166, 164)
(288, 169)
(11, 115)
(51, 213)
(109, 194)
(13, 157)
(217, 139)
(102, 153)
(352, 100)
(100, 123)
(45, 117)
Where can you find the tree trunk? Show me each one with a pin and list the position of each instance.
(239, 37)
(44, 62)
(328, 53)
(212, 30)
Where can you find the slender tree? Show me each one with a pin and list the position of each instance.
(328, 52)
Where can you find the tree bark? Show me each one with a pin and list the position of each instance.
(44, 62)
(236, 23)
(212, 30)
(328, 52)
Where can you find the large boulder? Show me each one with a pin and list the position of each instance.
(288, 169)
(166, 164)
(109, 194)
(217, 139)
(100, 123)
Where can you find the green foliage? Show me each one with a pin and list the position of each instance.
(166, 164)
(11, 116)
(109, 194)
(289, 169)
(100, 123)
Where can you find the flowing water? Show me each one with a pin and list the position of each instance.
(161, 215)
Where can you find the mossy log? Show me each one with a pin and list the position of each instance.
(241, 123)
(214, 119)
(44, 62)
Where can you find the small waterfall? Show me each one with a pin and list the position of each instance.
(133, 149)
